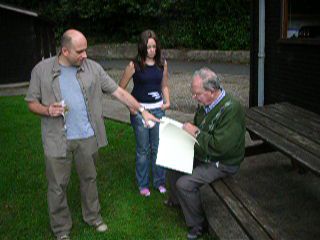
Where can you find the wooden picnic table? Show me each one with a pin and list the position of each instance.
(289, 129)
(230, 211)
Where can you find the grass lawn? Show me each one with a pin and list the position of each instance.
(23, 204)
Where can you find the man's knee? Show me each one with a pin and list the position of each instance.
(184, 184)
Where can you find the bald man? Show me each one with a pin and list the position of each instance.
(66, 91)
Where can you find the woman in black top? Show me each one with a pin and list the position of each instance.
(149, 72)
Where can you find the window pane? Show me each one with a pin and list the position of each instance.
(301, 19)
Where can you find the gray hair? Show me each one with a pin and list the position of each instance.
(210, 80)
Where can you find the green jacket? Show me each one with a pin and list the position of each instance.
(222, 136)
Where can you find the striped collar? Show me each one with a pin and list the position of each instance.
(208, 108)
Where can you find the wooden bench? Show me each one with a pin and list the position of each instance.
(233, 214)
(289, 129)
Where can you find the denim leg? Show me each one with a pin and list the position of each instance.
(159, 173)
(142, 149)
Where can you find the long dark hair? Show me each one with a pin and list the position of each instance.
(140, 59)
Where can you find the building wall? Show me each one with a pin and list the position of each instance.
(254, 49)
(292, 70)
(25, 41)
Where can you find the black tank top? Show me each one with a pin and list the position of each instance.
(147, 84)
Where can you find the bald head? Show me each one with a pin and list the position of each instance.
(70, 37)
(73, 48)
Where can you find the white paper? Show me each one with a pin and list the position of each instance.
(63, 104)
(175, 146)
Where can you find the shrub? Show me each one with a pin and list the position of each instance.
(198, 24)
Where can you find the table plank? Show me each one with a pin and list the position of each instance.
(253, 228)
(255, 210)
(220, 220)
(302, 126)
(293, 110)
(282, 132)
(287, 147)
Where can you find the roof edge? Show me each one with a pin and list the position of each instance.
(15, 9)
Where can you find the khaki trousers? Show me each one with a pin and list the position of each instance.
(84, 152)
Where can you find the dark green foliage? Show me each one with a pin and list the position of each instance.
(202, 24)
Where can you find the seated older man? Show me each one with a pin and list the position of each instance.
(219, 127)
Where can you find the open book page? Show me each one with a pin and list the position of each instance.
(176, 146)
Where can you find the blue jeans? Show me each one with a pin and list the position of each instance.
(147, 142)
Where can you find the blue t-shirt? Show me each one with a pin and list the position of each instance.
(77, 121)
(147, 84)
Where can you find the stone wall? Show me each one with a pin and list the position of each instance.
(129, 50)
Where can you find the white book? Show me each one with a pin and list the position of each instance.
(176, 146)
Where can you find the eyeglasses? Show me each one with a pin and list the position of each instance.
(194, 95)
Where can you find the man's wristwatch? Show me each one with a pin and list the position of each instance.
(141, 109)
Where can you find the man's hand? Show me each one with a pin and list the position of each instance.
(55, 109)
(191, 129)
(126, 98)
(148, 116)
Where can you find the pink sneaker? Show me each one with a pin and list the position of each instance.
(145, 192)
(162, 189)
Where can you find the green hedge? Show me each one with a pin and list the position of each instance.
(201, 24)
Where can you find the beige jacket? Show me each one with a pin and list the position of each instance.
(44, 88)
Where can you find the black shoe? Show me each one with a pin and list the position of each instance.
(195, 232)
(171, 204)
